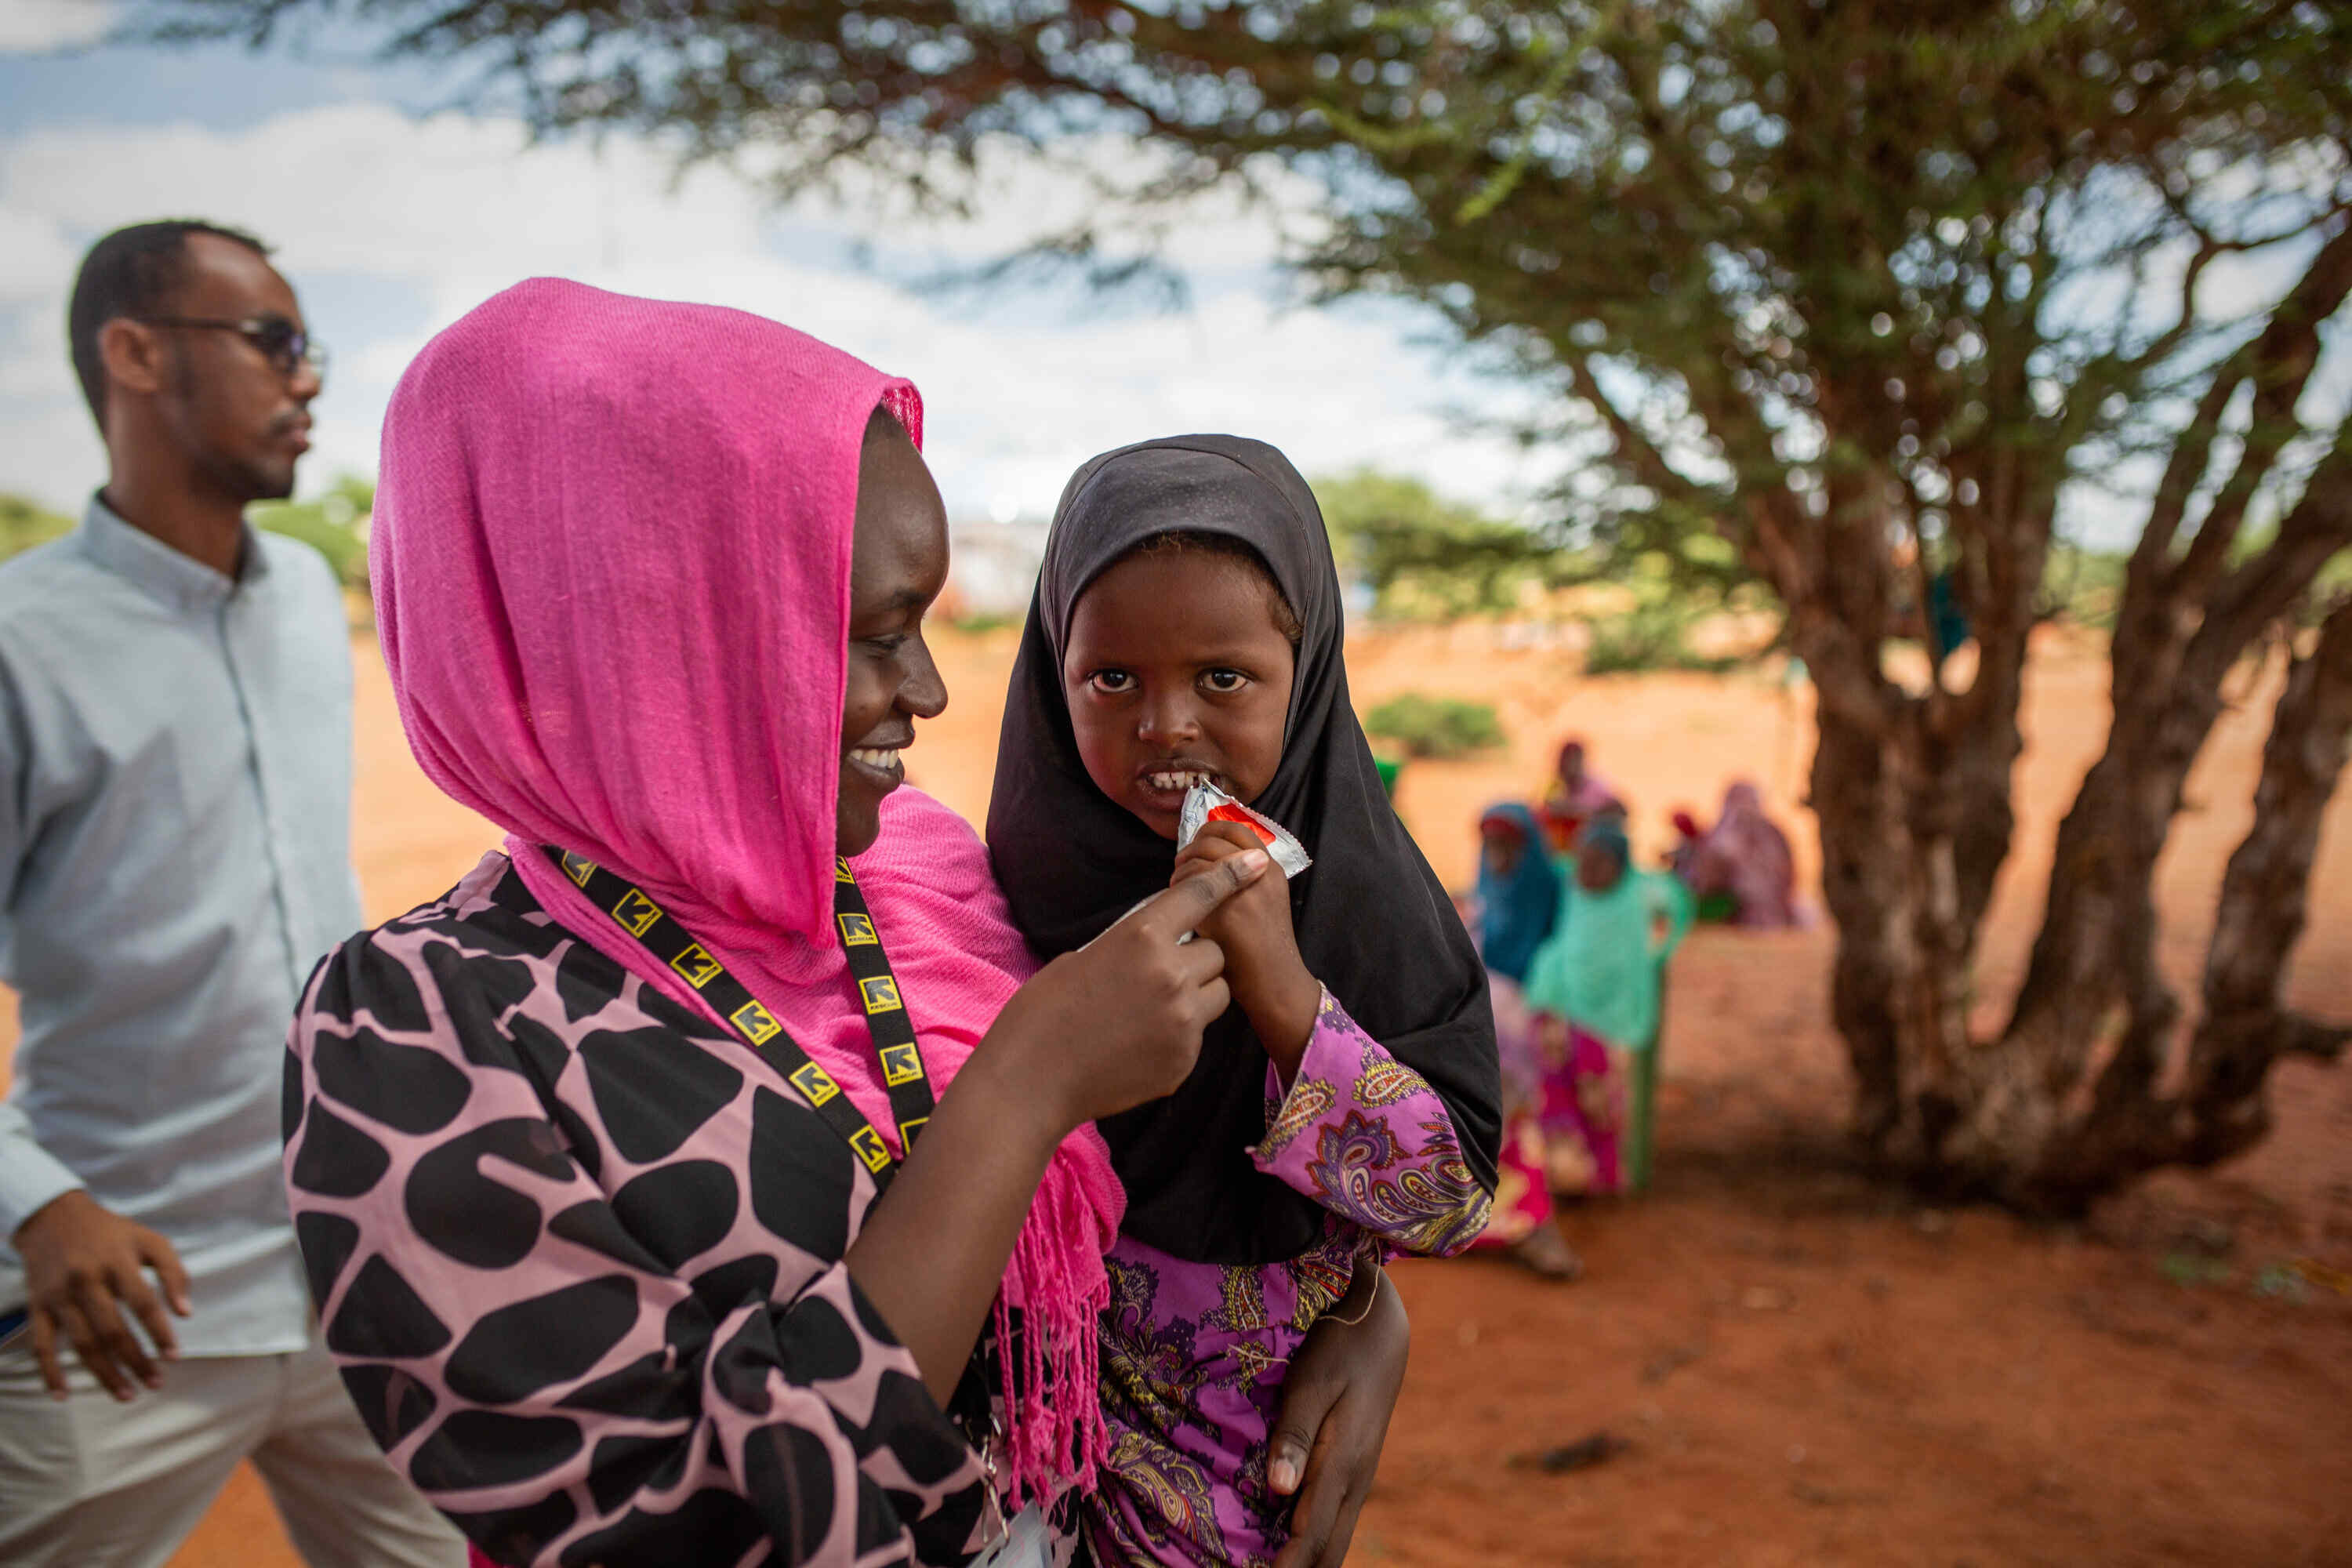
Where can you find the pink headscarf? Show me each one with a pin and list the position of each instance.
(611, 561)
(1748, 856)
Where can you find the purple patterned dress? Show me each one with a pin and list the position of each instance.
(1194, 1354)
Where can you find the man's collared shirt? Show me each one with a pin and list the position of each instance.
(175, 770)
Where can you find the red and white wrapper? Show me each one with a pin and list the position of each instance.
(1204, 803)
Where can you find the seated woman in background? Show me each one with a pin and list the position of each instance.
(1743, 864)
(1515, 905)
(1573, 797)
(1594, 987)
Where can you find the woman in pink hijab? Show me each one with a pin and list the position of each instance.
(1745, 858)
(707, 1177)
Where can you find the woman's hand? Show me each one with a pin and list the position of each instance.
(1119, 1022)
(1262, 963)
(1094, 1032)
(1336, 1404)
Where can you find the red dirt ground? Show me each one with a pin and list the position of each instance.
(1807, 1368)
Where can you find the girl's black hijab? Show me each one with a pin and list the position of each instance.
(1373, 923)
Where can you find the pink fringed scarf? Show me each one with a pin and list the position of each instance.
(611, 561)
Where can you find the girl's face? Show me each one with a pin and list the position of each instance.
(1175, 672)
(1597, 870)
(1503, 849)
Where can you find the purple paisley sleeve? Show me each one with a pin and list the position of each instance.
(1366, 1137)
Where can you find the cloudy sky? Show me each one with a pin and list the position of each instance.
(391, 225)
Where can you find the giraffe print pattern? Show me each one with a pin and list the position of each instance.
(579, 1258)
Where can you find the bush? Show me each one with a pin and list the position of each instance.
(1651, 638)
(335, 525)
(24, 524)
(980, 621)
(2083, 586)
(1423, 557)
(345, 552)
(1435, 726)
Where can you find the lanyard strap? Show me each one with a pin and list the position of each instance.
(903, 1074)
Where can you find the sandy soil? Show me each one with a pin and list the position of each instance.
(1804, 1367)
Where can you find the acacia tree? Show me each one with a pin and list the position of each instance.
(1861, 288)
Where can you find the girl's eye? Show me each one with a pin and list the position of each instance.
(887, 644)
(1225, 682)
(1112, 682)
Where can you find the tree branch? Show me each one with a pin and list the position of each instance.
(2301, 1036)
(2284, 358)
(1633, 448)
(2261, 910)
(2192, 453)
(2265, 588)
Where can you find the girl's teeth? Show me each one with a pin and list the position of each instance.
(1175, 781)
(875, 759)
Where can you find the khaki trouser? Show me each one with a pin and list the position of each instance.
(88, 1483)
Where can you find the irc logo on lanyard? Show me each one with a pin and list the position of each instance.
(896, 1053)
(870, 1148)
(697, 966)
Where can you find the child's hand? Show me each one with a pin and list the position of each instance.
(1262, 963)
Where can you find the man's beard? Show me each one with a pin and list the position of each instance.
(246, 482)
(241, 480)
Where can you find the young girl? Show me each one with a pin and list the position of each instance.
(1517, 901)
(1594, 985)
(1187, 626)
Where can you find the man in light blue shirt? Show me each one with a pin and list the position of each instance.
(176, 745)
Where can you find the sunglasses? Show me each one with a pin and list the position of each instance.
(279, 340)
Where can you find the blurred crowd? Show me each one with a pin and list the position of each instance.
(1576, 936)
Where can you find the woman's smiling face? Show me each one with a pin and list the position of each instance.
(1176, 670)
(898, 562)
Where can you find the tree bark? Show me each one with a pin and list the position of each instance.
(2246, 1026)
(1901, 789)
(2182, 625)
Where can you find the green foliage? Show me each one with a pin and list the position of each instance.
(1801, 283)
(1651, 637)
(2331, 584)
(1435, 726)
(335, 525)
(980, 621)
(2334, 582)
(1424, 557)
(25, 523)
(1653, 631)
(2084, 586)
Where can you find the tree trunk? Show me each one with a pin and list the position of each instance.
(1912, 796)
(2246, 1026)
(1911, 835)
(2185, 621)
(1900, 990)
